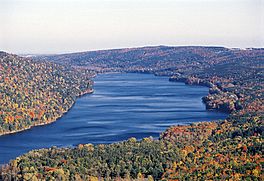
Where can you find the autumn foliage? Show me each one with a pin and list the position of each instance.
(34, 93)
(230, 149)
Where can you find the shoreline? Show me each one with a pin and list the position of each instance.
(89, 91)
(201, 82)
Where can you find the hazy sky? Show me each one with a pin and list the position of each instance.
(58, 26)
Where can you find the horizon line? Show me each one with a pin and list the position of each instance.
(129, 47)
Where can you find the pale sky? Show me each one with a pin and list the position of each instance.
(60, 26)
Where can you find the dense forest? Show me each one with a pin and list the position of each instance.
(34, 93)
(230, 149)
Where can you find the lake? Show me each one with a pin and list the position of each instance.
(122, 106)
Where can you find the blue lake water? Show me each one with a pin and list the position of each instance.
(122, 106)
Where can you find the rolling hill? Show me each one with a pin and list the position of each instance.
(36, 93)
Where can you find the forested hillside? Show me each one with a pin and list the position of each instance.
(230, 149)
(35, 93)
(160, 60)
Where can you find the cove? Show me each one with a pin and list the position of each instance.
(122, 106)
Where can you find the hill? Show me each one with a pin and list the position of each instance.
(230, 149)
(36, 93)
(160, 59)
